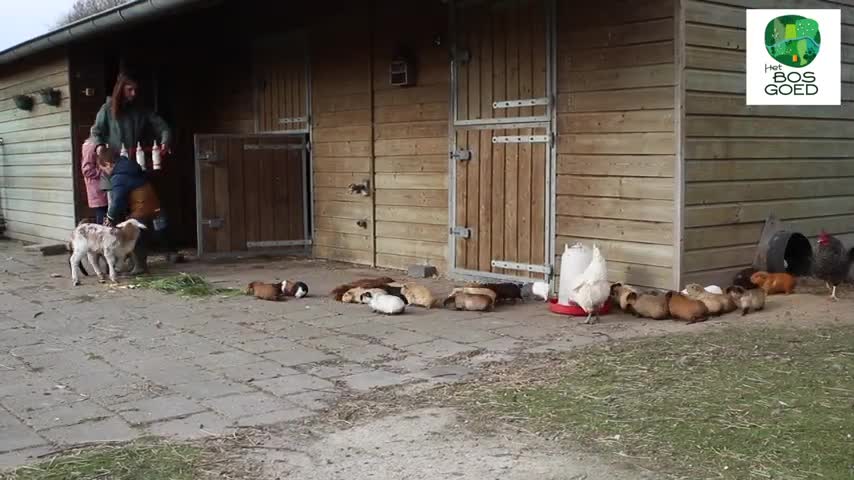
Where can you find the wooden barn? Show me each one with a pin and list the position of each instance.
(475, 136)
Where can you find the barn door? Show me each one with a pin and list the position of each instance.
(501, 146)
(251, 193)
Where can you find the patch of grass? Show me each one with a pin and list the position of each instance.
(185, 285)
(734, 404)
(138, 461)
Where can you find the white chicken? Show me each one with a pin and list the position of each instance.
(592, 289)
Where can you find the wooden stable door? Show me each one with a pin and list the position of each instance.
(502, 141)
(251, 192)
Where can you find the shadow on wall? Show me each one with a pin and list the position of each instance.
(2, 187)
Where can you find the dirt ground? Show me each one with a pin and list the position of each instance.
(337, 427)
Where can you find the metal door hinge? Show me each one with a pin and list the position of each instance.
(461, 232)
(524, 102)
(214, 223)
(461, 155)
(523, 267)
(522, 139)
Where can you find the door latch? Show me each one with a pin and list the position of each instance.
(463, 232)
(463, 155)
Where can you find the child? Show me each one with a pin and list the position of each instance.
(132, 197)
(96, 198)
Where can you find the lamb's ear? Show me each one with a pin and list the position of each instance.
(631, 296)
(668, 295)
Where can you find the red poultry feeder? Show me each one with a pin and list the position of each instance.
(574, 310)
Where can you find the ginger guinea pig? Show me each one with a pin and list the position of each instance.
(647, 305)
(684, 308)
(773, 283)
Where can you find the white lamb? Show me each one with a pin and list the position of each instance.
(94, 240)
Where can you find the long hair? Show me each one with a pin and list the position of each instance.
(118, 97)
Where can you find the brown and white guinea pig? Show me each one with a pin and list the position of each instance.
(338, 292)
(470, 302)
(291, 288)
(646, 305)
(619, 293)
(265, 291)
(504, 291)
(748, 301)
(417, 295)
(716, 303)
(475, 291)
(684, 308)
(773, 283)
(742, 278)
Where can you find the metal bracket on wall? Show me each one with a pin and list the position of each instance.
(525, 102)
(214, 223)
(277, 243)
(522, 139)
(462, 55)
(461, 155)
(461, 232)
(523, 267)
(208, 157)
(287, 121)
(272, 146)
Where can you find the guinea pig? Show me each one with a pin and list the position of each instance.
(354, 295)
(773, 283)
(747, 300)
(742, 278)
(475, 291)
(385, 303)
(417, 295)
(503, 291)
(470, 302)
(684, 308)
(291, 288)
(540, 290)
(619, 293)
(716, 303)
(647, 305)
(369, 293)
(264, 291)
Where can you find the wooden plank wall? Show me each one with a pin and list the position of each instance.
(394, 137)
(36, 184)
(616, 142)
(342, 150)
(411, 138)
(742, 162)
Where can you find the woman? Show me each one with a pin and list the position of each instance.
(96, 198)
(133, 197)
(122, 120)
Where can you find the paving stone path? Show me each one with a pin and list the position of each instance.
(97, 364)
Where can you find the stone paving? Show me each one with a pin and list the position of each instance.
(95, 363)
